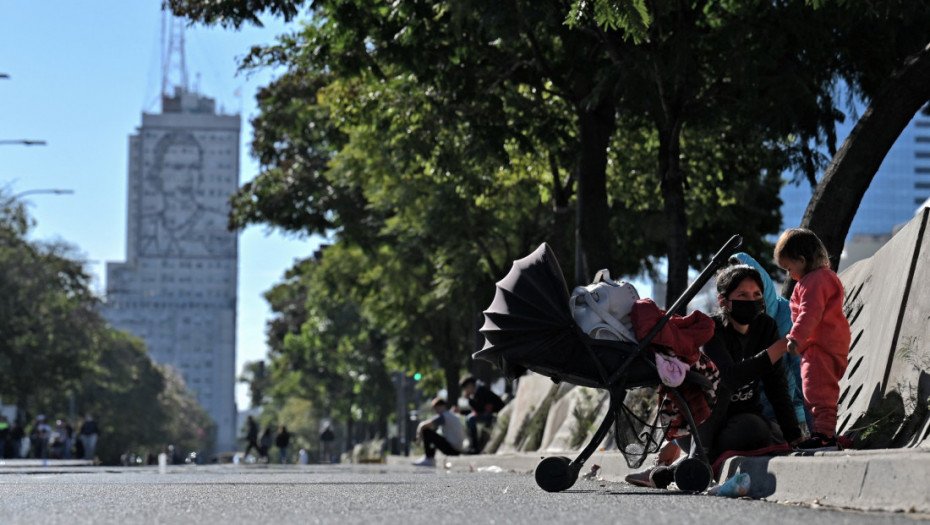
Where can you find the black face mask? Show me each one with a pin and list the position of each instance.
(743, 312)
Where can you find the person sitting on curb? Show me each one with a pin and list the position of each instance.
(484, 404)
(449, 442)
(747, 351)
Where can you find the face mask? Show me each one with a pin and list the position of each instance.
(743, 312)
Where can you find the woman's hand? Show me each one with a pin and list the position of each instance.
(793, 347)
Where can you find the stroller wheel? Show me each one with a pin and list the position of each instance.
(555, 474)
(692, 475)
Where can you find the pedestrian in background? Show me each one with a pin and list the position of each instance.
(326, 439)
(251, 436)
(5, 438)
(265, 444)
(39, 436)
(89, 434)
(282, 440)
(451, 440)
(484, 405)
(18, 436)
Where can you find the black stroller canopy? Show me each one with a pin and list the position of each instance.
(529, 321)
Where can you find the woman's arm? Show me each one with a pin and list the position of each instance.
(736, 374)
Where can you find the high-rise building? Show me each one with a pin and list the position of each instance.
(177, 288)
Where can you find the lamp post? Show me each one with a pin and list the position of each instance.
(23, 142)
(54, 191)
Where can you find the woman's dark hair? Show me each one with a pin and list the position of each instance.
(729, 278)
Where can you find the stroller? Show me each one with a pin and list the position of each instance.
(529, 326)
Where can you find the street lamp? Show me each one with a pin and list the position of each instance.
(23, 142)
(55, 191)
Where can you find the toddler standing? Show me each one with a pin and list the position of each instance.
(820, 334)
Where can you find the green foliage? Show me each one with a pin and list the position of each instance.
(631, 16)
(46, 309)
(254, 374)
(55, 348)
(878, 426)
(435, 142)
(232, 13)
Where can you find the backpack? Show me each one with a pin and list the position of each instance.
(602, 308)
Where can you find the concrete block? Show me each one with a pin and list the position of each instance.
(562, 424)
(532, 390)
(887, 319)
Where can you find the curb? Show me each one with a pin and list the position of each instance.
(891, 480)
(882, 480)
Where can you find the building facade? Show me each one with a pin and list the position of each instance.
(177, 288)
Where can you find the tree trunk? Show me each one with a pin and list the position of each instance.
(452, 375)
(673, 196)
(592, 229)
(839, 193)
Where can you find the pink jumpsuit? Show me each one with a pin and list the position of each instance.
(822, 334)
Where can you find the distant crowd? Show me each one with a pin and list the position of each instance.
(263, 443)
(41, 440)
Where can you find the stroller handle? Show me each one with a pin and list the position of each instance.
(719, 260)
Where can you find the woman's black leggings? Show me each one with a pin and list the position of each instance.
(746, 431)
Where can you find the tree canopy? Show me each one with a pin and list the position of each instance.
(435, 142)
(57, 354)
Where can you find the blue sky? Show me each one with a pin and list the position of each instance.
(80, 76)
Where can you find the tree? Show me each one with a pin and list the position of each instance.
(56, 349)
(839, 193)
(254, 374)
(47, 317)
(438, 141)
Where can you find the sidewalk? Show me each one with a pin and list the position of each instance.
(892, 480)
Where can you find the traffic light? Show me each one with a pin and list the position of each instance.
(417, 376)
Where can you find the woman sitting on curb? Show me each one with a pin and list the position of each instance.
(746, 348)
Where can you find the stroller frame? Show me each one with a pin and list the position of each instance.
(694, 473)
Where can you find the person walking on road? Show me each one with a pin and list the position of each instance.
(251, 436)
(282, 440)
(265, 444)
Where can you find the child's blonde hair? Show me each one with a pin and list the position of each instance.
(797, 243)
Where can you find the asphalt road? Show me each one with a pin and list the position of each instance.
(347, 494)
